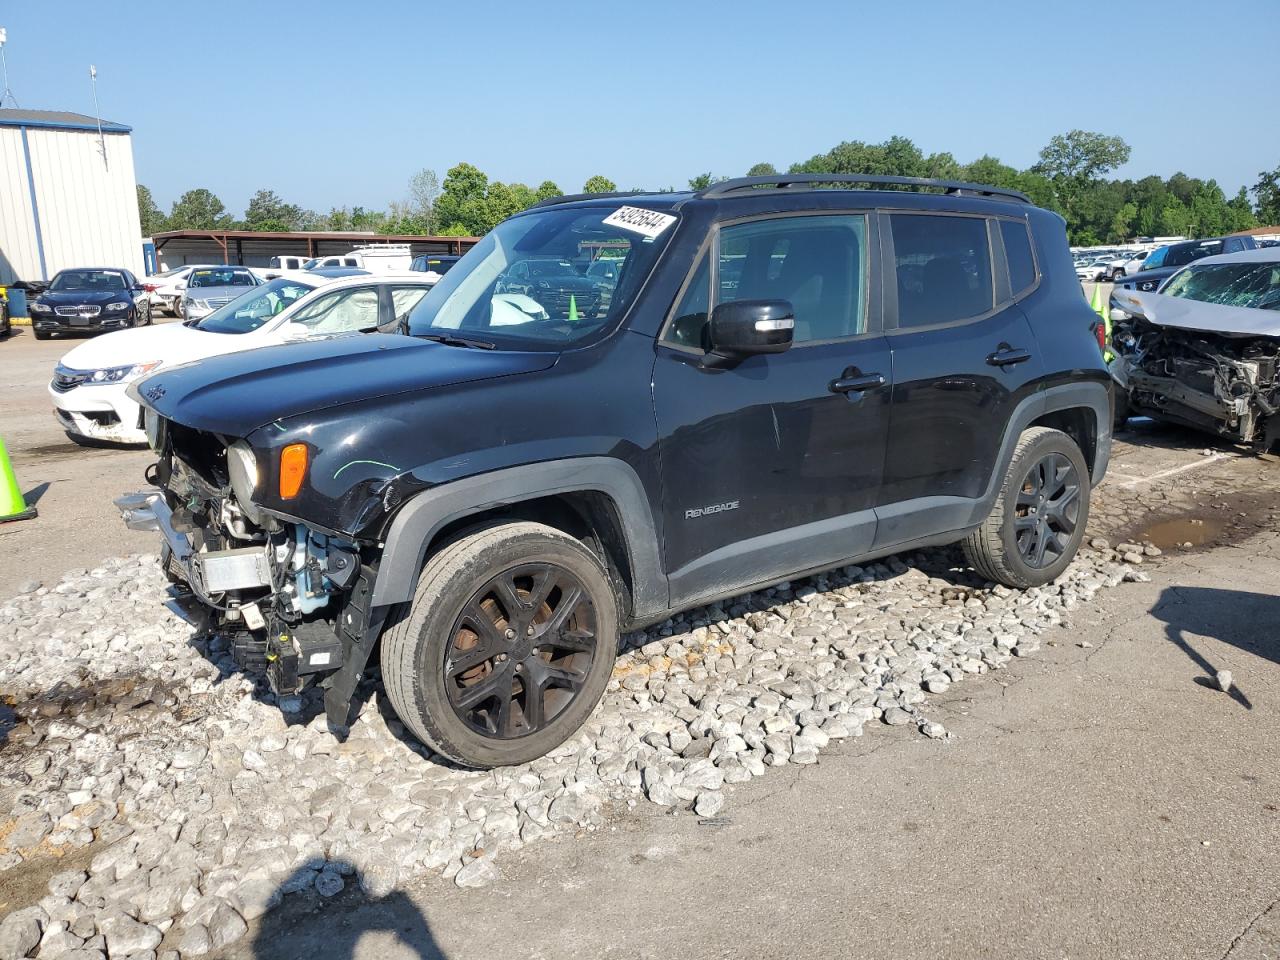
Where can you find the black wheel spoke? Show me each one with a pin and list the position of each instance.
(570, 597)
(531, 701)
(571, 640)
(1045, 515)
(1042, 541)
(496, 685)
(509, 597)
(463, 660)
(543, 584)
(534, 669)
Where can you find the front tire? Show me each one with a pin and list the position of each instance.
(1038, 520)
(507, 645)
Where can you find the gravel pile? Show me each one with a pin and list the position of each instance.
(202, 802)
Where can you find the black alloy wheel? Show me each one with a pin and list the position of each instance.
(520, 651)
(1047, 510)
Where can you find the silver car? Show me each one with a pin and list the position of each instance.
(208, 288)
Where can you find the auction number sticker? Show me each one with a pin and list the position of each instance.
(649, 223)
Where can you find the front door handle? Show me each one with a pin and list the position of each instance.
(1006, 355)
(855, 382)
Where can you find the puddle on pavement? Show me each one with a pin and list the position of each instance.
(1182, 532)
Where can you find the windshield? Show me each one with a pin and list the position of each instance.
(221, 278)
(87, 280)
(252, 309)
(1255, 285)
(525, 285)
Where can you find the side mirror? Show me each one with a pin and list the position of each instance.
(745, 328)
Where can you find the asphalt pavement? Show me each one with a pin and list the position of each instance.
(72, 486)
(1100, 800)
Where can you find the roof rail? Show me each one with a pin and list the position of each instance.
(574, 197)
(785, 181)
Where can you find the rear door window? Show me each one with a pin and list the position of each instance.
(1017, 252)
(943, 268)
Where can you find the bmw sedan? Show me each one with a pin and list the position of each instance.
(90, 300)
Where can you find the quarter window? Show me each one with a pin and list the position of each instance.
(1017, 252)
(404, 299)
(689, 324)
(943, 267)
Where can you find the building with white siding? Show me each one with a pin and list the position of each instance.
(68, 195)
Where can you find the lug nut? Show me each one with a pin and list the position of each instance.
(511, 634)
(529, 632)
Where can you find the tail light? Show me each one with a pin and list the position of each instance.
(293, 469)
(1100, 332)
(149, 287)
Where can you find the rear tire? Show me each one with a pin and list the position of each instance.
(1038, 520)
(507, 645)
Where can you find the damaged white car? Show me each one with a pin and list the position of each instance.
(1204, 352)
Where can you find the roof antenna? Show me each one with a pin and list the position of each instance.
(97, 113)
(8, 94)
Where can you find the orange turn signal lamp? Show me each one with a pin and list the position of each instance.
(293, 469)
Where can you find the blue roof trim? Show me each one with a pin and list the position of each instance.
(107, 125)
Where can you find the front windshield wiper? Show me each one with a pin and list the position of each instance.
(452, 341)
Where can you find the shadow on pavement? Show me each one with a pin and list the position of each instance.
(1238, 617)
(333, 929)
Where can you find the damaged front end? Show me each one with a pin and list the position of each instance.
(293, 599)
(1218, 379)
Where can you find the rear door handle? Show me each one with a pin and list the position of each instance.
(856, 382)
(1006, 355)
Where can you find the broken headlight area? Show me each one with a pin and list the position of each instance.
(1213, 382)
(282, 592)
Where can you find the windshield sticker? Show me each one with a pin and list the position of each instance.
(649, 223)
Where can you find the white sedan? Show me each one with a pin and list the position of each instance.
(166, 289)
(88, 386)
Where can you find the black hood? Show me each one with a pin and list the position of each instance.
(237, 393)
(76, 298)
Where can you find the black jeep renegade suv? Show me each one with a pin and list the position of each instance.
(776, 376)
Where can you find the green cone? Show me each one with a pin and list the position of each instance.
(12, 506)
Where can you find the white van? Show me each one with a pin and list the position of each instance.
(374, 257)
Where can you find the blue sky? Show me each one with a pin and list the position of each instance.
(338, 103)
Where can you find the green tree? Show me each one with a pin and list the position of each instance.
(266, 211)
(1122, 223)
(1081, 155)
(704, 180)
(199, 209)
(897, 156)
(149, 215)
(547, 189)
(1175, 218)
(1241, 214)
(503, 200)
(1075, 162)
(338, 218)
(762, 170)
(1267, 194)
(599, 184)
(462, 201)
